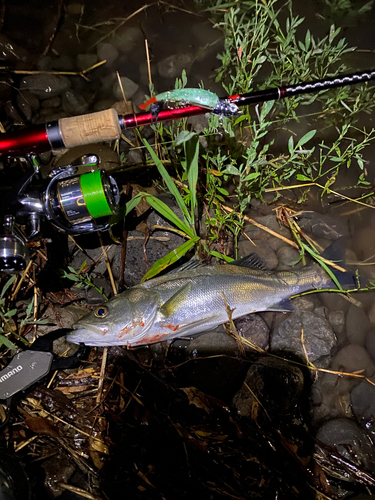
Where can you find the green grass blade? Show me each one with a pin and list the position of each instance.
(7, 285)
(169, 182)
(324, 266)
(170, 258)
(192, 154)
(166, 212)
(123, 212)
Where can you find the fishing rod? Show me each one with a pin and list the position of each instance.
(108, 125)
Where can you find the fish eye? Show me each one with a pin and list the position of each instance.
(101, 311)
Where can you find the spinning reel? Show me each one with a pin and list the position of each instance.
(74, 203)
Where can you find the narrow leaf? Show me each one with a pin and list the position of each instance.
(8, 284)
(7, 343)
(170, 258)
(306, 138)
(168, 180)
(192, 154)
(168, 213)
(184, 136)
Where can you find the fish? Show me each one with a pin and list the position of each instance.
(193, 299)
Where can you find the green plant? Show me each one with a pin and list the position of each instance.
(81, 278)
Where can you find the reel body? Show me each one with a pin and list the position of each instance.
(74, 203)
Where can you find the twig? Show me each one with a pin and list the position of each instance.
(122, 23)
(121, 87)
(231, 329)
(54, 31)
(24, 274)
(257, 224)
(69, 73)
(25, 443)
(148, 63)
(108, 265)
(102, 373)
(124, 243)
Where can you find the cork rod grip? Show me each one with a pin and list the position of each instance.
(87, 129)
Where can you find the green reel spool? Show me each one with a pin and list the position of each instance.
(97, 193)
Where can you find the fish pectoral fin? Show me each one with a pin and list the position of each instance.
(252, 261)
(173, 304)
(185, 329)
(284, 305)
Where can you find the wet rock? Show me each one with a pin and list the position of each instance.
(134, 156)
(337, 321)
(363, 405)
(73, 103)
(6, 85)
(349, 440)
(61, 317)
(370, 343)
(13, 112)
(10, 52)
(63, 63)
(172, 66)
(96, 254)
(364, 243)
(254, 328)
(45, 63)
(305, 303)
(155, 219)
(215, 341)
(45, 86)
(323, 225)
(53, 102)
(84, 61)
(103, 104)
(270, 222)
(334, 301)
(288, 257)
(353, 358)
(371, 314)
(30, 99)
(127, 38)
(50, 114)
(24, 107)
(357, 325)
(108, 52)
(261, 248)
(276, 383)
(321, 311)
(318, 337)
(198, 123)
(135, 266)
(130, 88)
(58, 469)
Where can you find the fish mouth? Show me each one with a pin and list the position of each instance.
(86, 328)
(84, 334)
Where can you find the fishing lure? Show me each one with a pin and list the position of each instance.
(200, 97)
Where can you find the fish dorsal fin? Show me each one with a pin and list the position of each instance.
(282, 306)
(176, 301)
(252, 261)
(193, 263)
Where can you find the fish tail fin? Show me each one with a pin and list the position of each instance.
(146, 104)
(335, 252)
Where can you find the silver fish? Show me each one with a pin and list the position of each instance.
(192, 300)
